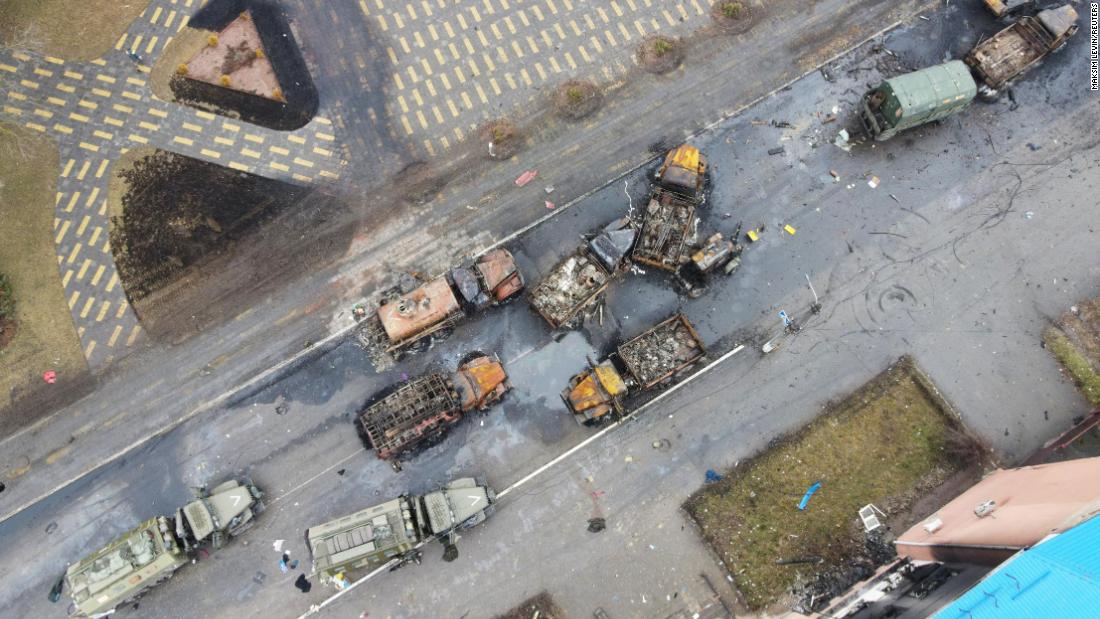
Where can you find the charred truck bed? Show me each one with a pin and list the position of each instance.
(571, 285)
(661, 351)
(417, 411)
(669, 218)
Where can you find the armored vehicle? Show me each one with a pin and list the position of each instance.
(577, 282)
(131, 564)
(396, 530)
(438, 305)
(640, 363)
(917, 98)
(423, 409)
(1007, 55)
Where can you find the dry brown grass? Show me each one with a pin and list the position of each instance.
(576, 99)
(876, 446)
(45, 338)
(81, 30)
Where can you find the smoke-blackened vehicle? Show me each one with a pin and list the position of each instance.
(149, 554)
(421, 411)
(396, 530)
(437, 306)
(1007, 55)
(577, 282)
(668, 220)
(640, 363)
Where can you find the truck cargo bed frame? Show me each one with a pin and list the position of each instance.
(665, 231)
(409, 415)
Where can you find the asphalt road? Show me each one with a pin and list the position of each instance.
(992, 233)
(270, 310)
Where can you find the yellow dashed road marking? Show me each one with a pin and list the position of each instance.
(211, 153)
(278, 150)
(250, 153)
(103, 134)
(278, 166)
(99, 270)
(114, 336)
(259, 139)
(303, 162)
(163, 114)
(73, 75)
(182, 140)
(103, 307)
(111, 121)
(66, 88)
(238, 166)
(83, 170)
(148, 125)
(223, 141)
(61, 233)
(102, 167)
(317, 150)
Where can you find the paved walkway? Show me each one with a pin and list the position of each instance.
(97, 110)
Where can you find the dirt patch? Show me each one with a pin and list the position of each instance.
(733, 16)
(45, 338)
(660, 54)
(888, 443)
(541, 606)
(503, 137)
(8, 322)
(576, 99)
(170, 212)
(72, 30)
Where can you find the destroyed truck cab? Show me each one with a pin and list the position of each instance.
(438, 305)
(1007, 55)
(396, 530)
(131, 564)
(643, 362)
(397, 422)
(575, 283)
(916, 98)
(683, 171)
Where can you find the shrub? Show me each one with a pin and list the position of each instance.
(7, 299)
(732, 10)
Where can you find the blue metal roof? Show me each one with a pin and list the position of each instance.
(1056, 578)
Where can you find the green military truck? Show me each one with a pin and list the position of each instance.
(916, 98)
(395, 530)
(149, 554)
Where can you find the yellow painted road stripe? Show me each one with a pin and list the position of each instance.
(98, 273)
(278, 166)
(137, 138)
(111, 283)
(61, 233)
(148, 125)
(73, 75)
(191, 127)
(303, 162)
(83, 170)
(182, 140)
(125, 109)
(238, 166)
(65, 88)
(211, 153)
(278, 150)
(67, 131)
(224, 141)
(103, 307)
(297, 139)
(250, 153)
(259, 139)
(112, 121)
(99, 92)
(155, 112)
(317, 150)
(114, 336)
(102, 167)
(87, 104)
(68, 168)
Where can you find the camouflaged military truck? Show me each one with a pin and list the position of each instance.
(395, 530)
(149, 554)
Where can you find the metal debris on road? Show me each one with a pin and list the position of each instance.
(789, 229)
(895, 198)
(595, 525)
(777, 151)
(526, 177)
(549, 204)
(836, 177)
(841, 140)
(873, 182)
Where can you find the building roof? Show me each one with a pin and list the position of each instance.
(1030, 503)
(1059, 577)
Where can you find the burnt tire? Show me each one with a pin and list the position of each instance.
(450, 553)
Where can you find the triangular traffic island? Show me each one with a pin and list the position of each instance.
(235, 59)
(240, 59)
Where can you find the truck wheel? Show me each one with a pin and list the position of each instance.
(450, 553)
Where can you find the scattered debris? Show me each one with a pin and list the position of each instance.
(303, 583)
(789, 229)
(549, 204)
(895, 198)
(595, 525)
(49, 376)
(873, 182)
(809, 493)
(782, 124)
(777, 151)
(835, 175)
(711, 477)
(526, 177)
(841, 140)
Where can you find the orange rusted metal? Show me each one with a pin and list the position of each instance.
(500, 274)
(418, 311)
(485, 380)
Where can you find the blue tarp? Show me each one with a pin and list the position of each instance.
(809, 493)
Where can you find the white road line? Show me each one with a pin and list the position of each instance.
(315, 477)
(532, 475)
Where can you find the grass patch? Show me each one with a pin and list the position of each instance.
(884, 444)
(82, 30)
(1075, 363)
(659, 54)
(44, 337)
(576, 99)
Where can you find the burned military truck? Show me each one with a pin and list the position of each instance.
(577, 282)
(1010, 53)
(131, 564)
(418, 413)
(437, 306)
(397, 529)
(640, 363)
(668, 219)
